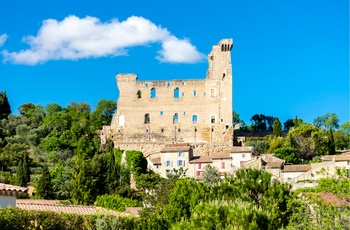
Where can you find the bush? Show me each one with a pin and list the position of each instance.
(116, 202)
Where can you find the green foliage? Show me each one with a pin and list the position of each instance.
(329, 120)
(23, 172)
(5, 108)
(116, 202)
(277, 127)
(275, 143)
(288, 154)
(260, 146)
(136, 162)
(211, 174)
(262, 122)
(226, 215)
(44, 187)
(19, 219)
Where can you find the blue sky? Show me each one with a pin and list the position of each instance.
(290, 58)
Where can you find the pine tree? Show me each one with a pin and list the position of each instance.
(5, 108)
(277, 127)
(44, 189)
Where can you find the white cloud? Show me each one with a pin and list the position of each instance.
(74, 38)
(3, 38)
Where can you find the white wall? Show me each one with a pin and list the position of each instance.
(7, 201)
(238, 157)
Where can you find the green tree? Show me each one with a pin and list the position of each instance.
(288, 154)
(211, 174)
(5, 108)
(260, 146)
(23, 171)
(329, 120)
(331, 143)
(277, 127)
(44, 187)
(288, 125)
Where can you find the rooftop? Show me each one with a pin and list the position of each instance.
(201, 159)
(176, 148)
(11, 190)
(296, 168)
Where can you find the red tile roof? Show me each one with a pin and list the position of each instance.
(46, 205)
(221, 156)
(11, 190)
(275, 164)
(296, 168)
(156, 161)
(201, 159)
(183, 147)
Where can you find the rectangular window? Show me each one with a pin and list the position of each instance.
(222, 165)
(180, 163)
(199, 165)
(194, 93)
(243, 155)
(197, 173)
(181, 154)
(168, 163)
(161, 112)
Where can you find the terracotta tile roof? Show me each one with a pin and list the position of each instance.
(270, 158)
(156, 161)
(296, 168)
(328, 198)
(338, 158)
(200, 159)
(11, 190)
(221, 156)
(44, 205)
(275, 164)
(342, 157)
(183, 147)
(245, 149)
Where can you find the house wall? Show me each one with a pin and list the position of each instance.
(6, 201)
(237, 158)
(173, 157)
(205, 98)
(288, 176)
(194, 168)
(223, 165)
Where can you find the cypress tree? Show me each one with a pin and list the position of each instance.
(23, 173)
(5, 108)
(331, 143)
(277, 127)
(44, 189)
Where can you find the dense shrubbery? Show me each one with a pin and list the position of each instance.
(116, 202)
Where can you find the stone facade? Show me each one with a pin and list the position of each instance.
(151, 114)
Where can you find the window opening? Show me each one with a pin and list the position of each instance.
(183, 94)
(179, 130)
(176, 118)
(194, 93)
(153, 93)
(169, 84)
(223, 76)
(222, 165)
(161, 112)
(212, 119)
(181, 154)
(226, 126)
(194, 119)
(222, 120)
(147, 118)
(146, 85)
(195, 130)
(184, 113)
(139, 94)
(183, 83)
(176, 93)
(162, 130)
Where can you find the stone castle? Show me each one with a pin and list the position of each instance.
(152, 114)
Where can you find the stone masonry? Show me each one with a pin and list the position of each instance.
(151, 114)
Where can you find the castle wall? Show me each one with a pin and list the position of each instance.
(196, 111)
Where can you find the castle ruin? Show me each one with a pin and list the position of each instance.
(152, 114)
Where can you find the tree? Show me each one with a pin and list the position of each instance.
(44, 188)
(331, 143)
(260, 146)
(236, 119)
(329, 120)
(277, 127)
(5, 108)
(23, 172)
(288, 125)
(211, 174)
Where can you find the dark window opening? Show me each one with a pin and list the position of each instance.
(194, 93)
(169, 84)
(222, 120)
(176, 93)
(146, 85)
(212, 129)
(179, 130)
(212, 119)
(147, 118)
(161, 112)
(162, 130)
(195, 130)
(223, 76)
(139, 94)
(226, 126)
(147, 130)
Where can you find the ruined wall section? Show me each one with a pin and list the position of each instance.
(196, 111)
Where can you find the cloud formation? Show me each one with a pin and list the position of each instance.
(75, 38)
(3, 38)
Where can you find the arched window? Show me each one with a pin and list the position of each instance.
(176, 118)
(153, 93)
(147, 118)
(139, 94)
(176, 93)
(194, 119)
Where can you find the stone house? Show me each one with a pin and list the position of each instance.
(197, 165)
(8, 194)
(223, 162)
